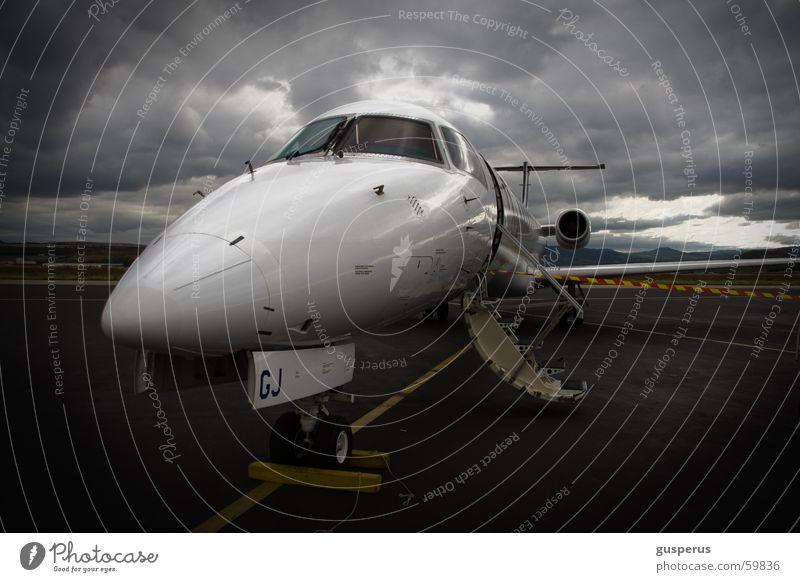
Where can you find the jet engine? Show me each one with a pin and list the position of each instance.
(572, 229)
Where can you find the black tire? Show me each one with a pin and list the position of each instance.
(329, 450)
(442, 311)
(286, 443)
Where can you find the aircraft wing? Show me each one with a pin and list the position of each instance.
(624, 269)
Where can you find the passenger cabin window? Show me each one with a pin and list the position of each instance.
(394, 136)
(463, 155)
(313, 137)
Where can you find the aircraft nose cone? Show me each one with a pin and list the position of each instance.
(137, 315)
(192, 292)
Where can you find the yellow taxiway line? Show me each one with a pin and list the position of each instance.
(368, 460)
(314, 477)
(253, 497)
(668, 287)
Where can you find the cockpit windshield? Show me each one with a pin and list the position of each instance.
(395, 136)
(313, 137)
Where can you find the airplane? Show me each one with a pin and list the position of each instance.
(372, 213)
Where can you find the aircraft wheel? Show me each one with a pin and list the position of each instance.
(286, 443)
(333, 442)
(442, 311)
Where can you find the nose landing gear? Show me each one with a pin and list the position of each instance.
(442, 312)
(311, 436)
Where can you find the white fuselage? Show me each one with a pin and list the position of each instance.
(314, 249)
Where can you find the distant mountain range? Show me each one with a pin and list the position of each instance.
(90, 252)
(592, 256)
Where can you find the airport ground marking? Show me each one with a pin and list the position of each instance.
(314, 477)
(676, 287)
(387, 404)
(664, 286)
(227, 515)
(689, 337)
(237, 508)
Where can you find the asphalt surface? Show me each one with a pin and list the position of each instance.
(706, 440)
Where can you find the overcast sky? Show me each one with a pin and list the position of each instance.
(693, 106)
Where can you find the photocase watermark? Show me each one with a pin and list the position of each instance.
(508, 98)
(490, 24)
(384, 364)
(739, 17)
(420, 15)
(20, 105)
(475, 85)
(474, 470)
(549, 504)
(549, 259)
(68, 559)
(198, 221)
(95, 560)
(100, 8)
(671, 351)
(760, 341)
(747, 173)
(52, 322)
(84, 204)
(629, 324)
(354, 148)
(730, 277)
(747, 209)
(316, 322)
(172, 66)
(31, 555)
(303, 190)
(568, 20)
(168, 448)
(679, 113)
(548, 134)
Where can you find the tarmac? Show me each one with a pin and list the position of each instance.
(690, 424)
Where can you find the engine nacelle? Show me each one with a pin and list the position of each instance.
(572, 229)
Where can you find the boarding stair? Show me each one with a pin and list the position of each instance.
(497, 343)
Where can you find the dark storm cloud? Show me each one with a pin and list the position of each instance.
(102, 104)
(781, 206)
(614, 225)
(786, 240)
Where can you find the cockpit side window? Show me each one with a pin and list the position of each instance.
(394, 136)
(311, 138)
(463, 155)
